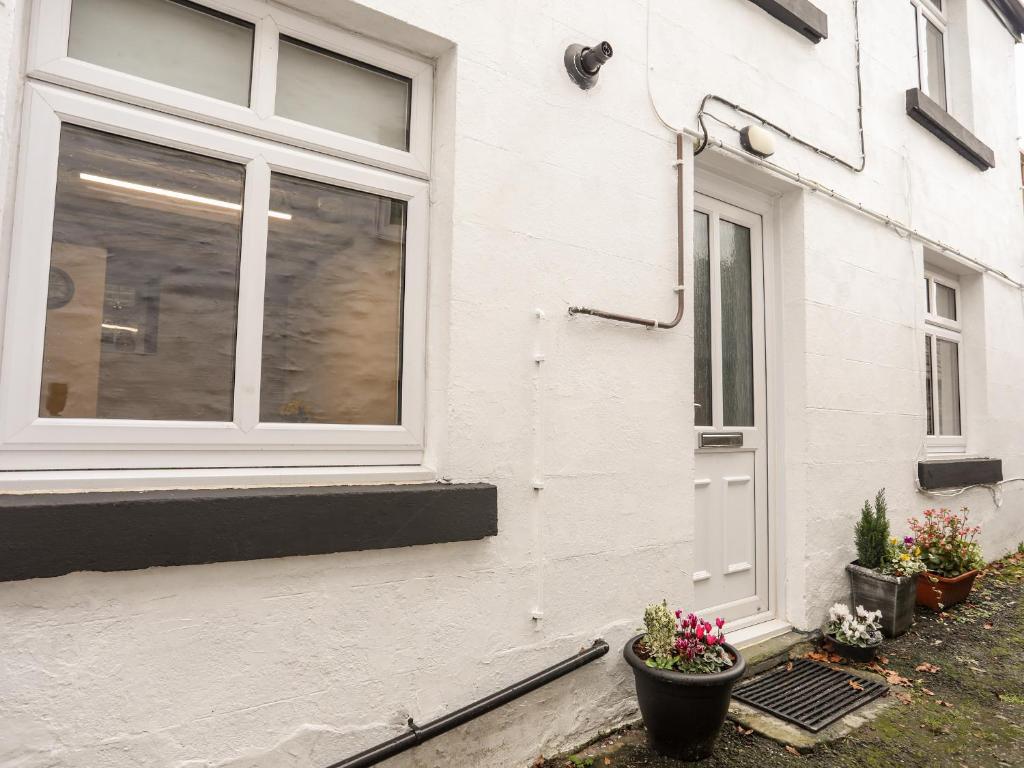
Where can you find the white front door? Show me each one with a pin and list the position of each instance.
(731, 570)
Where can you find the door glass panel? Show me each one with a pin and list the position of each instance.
(947, 372)
(945, 301)
(340, 94)
(702, 397)
(737, 333)
(140, 320)
(170, 42)
(936, 64)
(333, 308)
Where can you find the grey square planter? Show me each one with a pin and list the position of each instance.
(894, 596)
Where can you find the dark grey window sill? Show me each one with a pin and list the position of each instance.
(958, 473)
(44, 535)
(930, 114)
(803, 16)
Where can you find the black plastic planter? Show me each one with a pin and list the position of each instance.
(894, 596)
(859, 653)
(683, 713)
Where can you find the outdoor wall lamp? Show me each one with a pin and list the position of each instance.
(583, 63)
(757, 141)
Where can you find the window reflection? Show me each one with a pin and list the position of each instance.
(140, 320)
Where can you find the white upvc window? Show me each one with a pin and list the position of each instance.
(191, 286)
(931, 31)
(943, 364)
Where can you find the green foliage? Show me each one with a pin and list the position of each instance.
(660, 637)
(581, 762)
(872, 532)
(947, 541)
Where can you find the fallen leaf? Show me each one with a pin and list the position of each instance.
(834, 658)
(817, 656)
(926, 667)
(947, 704)
(789, 667)
(904, 698)
(926, 692)
(987, 625)
(883, 660)
(855, 685)
(793, 750)
(744, 731)
(607, 761)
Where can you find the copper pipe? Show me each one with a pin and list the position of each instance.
(681, 255)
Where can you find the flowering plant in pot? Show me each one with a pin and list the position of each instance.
(684, 672)
(857, 637)
(950, 552)
(885, 574)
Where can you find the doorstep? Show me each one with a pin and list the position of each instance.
(770, 643)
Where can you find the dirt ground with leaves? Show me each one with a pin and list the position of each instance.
(958, 681)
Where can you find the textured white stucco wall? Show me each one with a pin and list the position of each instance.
(548, 196)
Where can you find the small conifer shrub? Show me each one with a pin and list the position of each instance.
(872, 533)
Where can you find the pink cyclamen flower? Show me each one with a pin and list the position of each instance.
(719, 622)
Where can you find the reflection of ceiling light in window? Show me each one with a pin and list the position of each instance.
(112, 327)
(184, 196)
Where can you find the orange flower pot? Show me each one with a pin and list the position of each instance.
(938, 592)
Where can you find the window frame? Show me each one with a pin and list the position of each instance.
(48, 61)
(28, 442)
(938, 327)
(925, 11)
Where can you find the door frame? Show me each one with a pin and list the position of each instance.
(766, 206)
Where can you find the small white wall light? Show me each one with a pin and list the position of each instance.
(757, 141)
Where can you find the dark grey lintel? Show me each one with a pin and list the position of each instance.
(802, 15)
(958, 473)
(43, 535)
(930, 114)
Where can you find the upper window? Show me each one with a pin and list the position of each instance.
(194, 289)
(243, 65)
(943, 346)
(931, 32)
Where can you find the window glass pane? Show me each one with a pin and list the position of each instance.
(333, 307)
(334, 92)
(737, 334)
(140, 320)
(936, 63)
(928, 384)
(945, 301)
(171, 42)
(947, 374)
(702, 398)
(927, 296)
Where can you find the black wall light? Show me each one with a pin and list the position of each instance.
(583, 63)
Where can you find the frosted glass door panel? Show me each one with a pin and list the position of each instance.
(337, 93)
(332, 325)
(172, 43)
(702, 387)
(737, 332)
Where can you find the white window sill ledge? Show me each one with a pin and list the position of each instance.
(70, 481)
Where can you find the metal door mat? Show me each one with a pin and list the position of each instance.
(810, 694)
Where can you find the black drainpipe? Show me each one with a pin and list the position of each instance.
(420, 733)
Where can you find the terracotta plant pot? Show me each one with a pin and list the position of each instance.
(860, 653)
(892, 595)
(938, 592)
(683, 713)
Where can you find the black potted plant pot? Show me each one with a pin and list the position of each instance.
(683, 713)
(894, 596)
(859, 653)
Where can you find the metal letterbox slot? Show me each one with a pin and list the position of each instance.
(721, 439)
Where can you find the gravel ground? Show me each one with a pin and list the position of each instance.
(969, 713)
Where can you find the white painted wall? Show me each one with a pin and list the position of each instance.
(547, 196)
